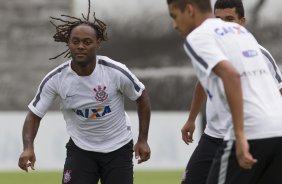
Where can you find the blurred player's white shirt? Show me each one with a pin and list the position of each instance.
(214, 41)
(93, 106)
(213, 127)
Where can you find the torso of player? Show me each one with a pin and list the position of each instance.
(90, 98)
(93, 106)
(215, 41)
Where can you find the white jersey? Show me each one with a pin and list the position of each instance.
(215, 41)
(272, 66)
(218, 129)
(92, 106)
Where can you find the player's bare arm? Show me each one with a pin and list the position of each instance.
(232, 86)
(141, 148)
(30, 128)
(199, 97)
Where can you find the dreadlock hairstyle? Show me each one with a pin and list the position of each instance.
(64, 29)
(237, 4)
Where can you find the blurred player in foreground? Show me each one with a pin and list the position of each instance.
(198, 166)
(91, 89)
(231, 69)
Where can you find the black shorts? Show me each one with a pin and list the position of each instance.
(86, 167)
(200, 161)
(268, 169)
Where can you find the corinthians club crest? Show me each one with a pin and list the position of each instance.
(101, 94)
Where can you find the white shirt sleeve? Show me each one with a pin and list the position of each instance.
(130, 85)
(45, 95)
(204, 52)
(271, 64)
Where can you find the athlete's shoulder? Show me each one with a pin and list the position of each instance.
(59, 70)
(266, 53)
(263, 49)
(203, 34)
(61, 67)
(108, 62)
(206, 28)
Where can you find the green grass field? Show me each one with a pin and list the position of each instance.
(140, 177)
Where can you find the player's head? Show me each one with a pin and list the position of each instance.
(188, 14)
(83, 42)
(89, 33)
(230, 11)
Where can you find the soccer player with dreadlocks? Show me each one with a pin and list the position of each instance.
(91, 89)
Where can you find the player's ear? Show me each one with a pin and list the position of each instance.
(190, 9)
(243, 21)
(99, 41)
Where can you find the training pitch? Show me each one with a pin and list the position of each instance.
(140, 177)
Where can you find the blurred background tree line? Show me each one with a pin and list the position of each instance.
(147, 45)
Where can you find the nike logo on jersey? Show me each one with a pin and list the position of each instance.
(93, 113)
(68, 96)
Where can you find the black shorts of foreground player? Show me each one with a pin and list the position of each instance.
(268, 152)
(91, 90)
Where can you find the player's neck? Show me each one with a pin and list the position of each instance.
(83, 69)
(201, 17)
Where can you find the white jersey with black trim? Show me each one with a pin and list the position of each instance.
(218, 130)
(215, 41)
(92, 106)
(271, 63)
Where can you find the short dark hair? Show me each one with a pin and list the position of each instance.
(203, 5)
(237, 4)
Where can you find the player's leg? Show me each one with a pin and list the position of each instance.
(225, 167)
(80, 166)
(117, 166)
(273, 172)
(200, 161)
(215, 170)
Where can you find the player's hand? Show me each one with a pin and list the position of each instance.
(187, 132)
(142, 151)
(26, 160)
(244, 157)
